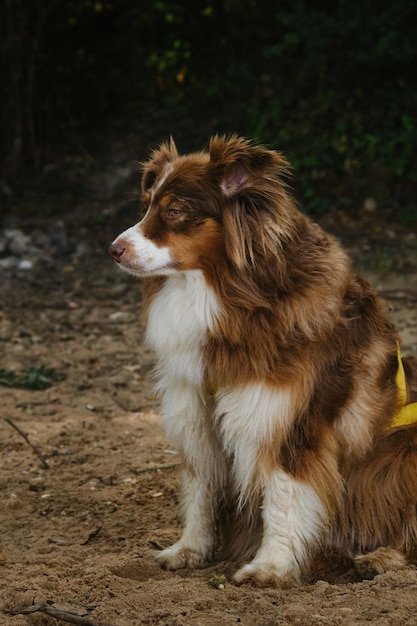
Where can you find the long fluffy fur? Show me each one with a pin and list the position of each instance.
(276, 370)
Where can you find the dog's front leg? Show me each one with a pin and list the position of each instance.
(196, 546)
(185, 416)
(293, 519)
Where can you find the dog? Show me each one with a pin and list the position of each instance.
(277, 369)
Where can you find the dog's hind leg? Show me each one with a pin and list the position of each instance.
(378, 517)
(379, 561)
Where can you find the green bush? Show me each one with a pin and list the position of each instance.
(332, 84)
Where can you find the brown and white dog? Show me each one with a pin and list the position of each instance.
(276, 368)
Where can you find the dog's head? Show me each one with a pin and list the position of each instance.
(204, 209)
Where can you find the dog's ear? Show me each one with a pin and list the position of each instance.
(248, 179)
(238, 163)
(166, 153)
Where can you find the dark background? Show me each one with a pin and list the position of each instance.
(332, 84)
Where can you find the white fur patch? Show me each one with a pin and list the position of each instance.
(180, 316)
(198, 540)
(144, 258)
(158, 184)
(353, 425)
(293, 517)
(248, 417)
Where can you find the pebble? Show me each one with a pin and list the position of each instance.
(25, 265)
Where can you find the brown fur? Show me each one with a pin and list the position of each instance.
(410, 369)
(380, 503)
(294, 316)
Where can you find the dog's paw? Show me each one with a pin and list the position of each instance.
(379, 561)
(179, 556)
(265, 575)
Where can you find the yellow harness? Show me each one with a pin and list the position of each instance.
(408, 412)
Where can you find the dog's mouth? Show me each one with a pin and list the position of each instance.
(140, 264)
(139, 272)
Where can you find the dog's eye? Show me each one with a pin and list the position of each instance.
(174, 212)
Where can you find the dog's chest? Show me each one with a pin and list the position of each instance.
(180, 316)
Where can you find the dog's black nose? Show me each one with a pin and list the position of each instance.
(116, 251)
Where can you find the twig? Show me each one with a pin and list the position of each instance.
(25, 437)
(63, 615)
(25, 405)
(155, 468)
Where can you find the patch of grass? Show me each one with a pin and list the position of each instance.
(218, 581)
(35, 378)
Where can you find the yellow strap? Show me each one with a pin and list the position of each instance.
(406, 415)
(408, 412)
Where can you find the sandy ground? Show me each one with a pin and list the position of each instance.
(79, 535)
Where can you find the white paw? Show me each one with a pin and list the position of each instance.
(261, 574)
(180, 556)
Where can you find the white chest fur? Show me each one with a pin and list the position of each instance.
(234, 424)
(180, 316)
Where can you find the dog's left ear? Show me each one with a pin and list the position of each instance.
(160, 158)
(238, 163)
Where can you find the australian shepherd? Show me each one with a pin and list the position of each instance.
(277, 369)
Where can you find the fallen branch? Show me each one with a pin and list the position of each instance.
(65, 615)
(44, 462)
(155, 468)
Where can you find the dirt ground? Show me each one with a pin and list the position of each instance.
(78, 536)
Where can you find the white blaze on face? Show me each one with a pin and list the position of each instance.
(142, 257)
(158, 184)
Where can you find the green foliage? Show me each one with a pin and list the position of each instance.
(332, 84)
(36, 378)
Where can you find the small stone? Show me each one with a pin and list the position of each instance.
(25, 265)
